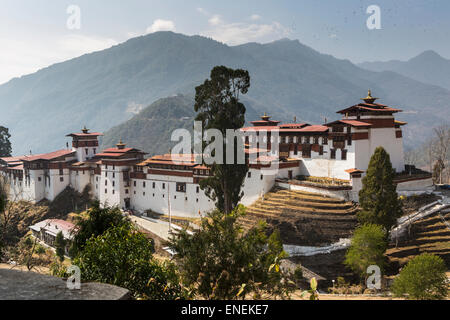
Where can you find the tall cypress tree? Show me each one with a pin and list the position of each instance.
(218, 106)
(378, 197)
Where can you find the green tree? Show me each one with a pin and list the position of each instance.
(5, 144)
(220, 261)
(3, 202)
(60, 246)
(423, 278)
(378, 197)
(218, 106)
(99, 220)
(122, 256)
(367, 247)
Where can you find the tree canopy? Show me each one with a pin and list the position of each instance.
(98, 221)
(122, 256)
(423, 278)
(378, 196)
(367, 248)
(220, 261)
(5, 144)
(218, 106)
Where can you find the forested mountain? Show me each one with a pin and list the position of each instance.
(106, 88)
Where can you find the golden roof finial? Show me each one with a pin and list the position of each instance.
(369, 99)
(85, 130)
(265, 117)
(120, 145)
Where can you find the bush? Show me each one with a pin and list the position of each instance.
(122, 257)
(423, 278)
(367, 248)
(221, 261)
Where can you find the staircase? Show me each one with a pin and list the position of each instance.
(303, 218)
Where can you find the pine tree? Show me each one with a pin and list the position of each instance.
(378, 197)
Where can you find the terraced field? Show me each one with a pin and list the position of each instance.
(430, 234)
(303, 218)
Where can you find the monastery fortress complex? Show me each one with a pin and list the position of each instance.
(329, 159)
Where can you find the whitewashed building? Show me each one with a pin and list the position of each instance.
(122, 176)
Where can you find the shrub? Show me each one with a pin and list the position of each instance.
(367, 248)
(423, 278)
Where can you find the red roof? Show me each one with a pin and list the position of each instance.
(314, 128)
(354, 123)
(370, 107)
(293, 125)
(351, 171)
(48, 156)
(89, 134)
(259, 128)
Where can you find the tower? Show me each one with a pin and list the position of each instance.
(85, 144)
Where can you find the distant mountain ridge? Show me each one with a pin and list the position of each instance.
(428, 67)
(151, 129)
(102, 89)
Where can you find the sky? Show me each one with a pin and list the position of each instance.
(37, 33)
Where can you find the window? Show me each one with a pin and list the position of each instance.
(61, 172)
(114, 174)
(261, 177)
(126, 191)
(143, 193)
(113, 191)
(153, 185)
(296, 149)
(198, 189)
(333, 154)
(344, 155)
(39, 179)
(164, 186)
(86, 151)
(143, 184)
(134, 183)
(113, 183)
(106, 182)
(249, 175)
(325, 140)
(106, 190)
(95, 150)
(61, 179)
(349, 141)
(181, 187)
(320, 150)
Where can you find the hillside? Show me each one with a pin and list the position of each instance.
(151, 129)
(428, 67)
(103, 89)
(303, 218)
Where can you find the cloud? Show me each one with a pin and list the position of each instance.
(161, 25)
(240, 32)
(215, 20)
(28, 54)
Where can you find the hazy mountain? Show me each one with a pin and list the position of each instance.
(428, 67)
(151, 129)
(106, 88)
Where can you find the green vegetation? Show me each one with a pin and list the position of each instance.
(5, 144)
(288, 78)
(218, 106)
(378, 197)
(122, 256)
(423, 278)
(368, 245)
(60, 246)
(220, 261)
(98, 221)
